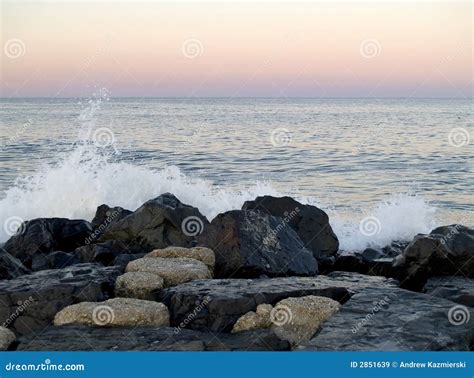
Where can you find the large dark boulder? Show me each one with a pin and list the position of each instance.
(391, 319)
(104, 217)
(45, 235)
(29, 303)
(249, 244)
(53, 260)
(159, 223)
(457, 289)
(82, 338)
(310, 223)
(105, 253)
(10, 267)
(215, 305)
(445, 251)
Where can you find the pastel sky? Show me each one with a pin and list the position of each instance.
(311, 49)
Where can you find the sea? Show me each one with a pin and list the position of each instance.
(383, 169)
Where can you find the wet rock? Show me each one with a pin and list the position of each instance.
(104, 217)
(456, 289)
(29, 303)
(115, 312)
(46, 235)
(250, 321)
(310, 223)
(139, 285)
(84, 338)
(446, 251)
(173, 271)
(203, 254)
(10, 267)
(297, 319)
(249, 244)
(7, 338)
(382, 319)
(53, 260)
(158, 223)
(226, 300)
(105, 253)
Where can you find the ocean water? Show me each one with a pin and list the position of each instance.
(383, 169)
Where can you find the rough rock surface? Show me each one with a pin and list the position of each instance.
(115, 312)
(159, 223)
(29, 303)
(381, 319)
(297, 319)
(456, 289)
(446, 251)
(45, 235)
(250, 321)
(139, 285)
(173, 271)
(104, 217)
(105, 253)
(10, 267)
(7, 338)
(53, 260)
(203, 254)
(249, 244)
(84, 338)
(359, 263)
(228, 299)
(310, 223)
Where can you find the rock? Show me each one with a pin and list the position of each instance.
(254, 320)
(383, 319)
(29, 303)
(297, 319)
(105, 253)
(249, 244)
(158, 223)
(456, 289)
(53, 260)
(104, 217)
(356, 262)
(217, 304)
(370, 254)
(139, 285)
(203, 254)
(446, 251)
(45, 235)
(115, 312)
(394, 249)
(310, 223)
(7, 338)
(84, 338)
(10, 267)
(173, 271)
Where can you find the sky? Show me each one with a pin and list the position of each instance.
(236, 49)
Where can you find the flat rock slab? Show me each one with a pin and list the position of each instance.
(381, 319)
(216, 305)
(456, 289)
(81, 338)
(29, 303)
